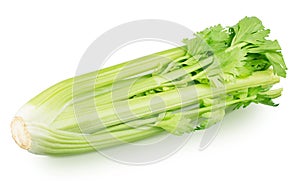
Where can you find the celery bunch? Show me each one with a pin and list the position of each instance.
(171, 91)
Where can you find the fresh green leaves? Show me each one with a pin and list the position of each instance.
(216, 37)
(277, 62)
(208, 41)
(249, 30)
(240, 49)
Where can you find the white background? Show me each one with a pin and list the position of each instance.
(41, 43)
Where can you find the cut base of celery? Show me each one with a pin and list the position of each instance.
(20, 133)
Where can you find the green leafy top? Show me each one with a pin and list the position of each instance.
(249, 30)
(213, 39)
(240, 49)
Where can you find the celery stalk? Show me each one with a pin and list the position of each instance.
(172, 91)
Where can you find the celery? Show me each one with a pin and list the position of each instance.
(119, 107)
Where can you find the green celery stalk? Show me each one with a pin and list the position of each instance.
(140, 106)
(57, 142)
(171, 91)
(48, 104)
